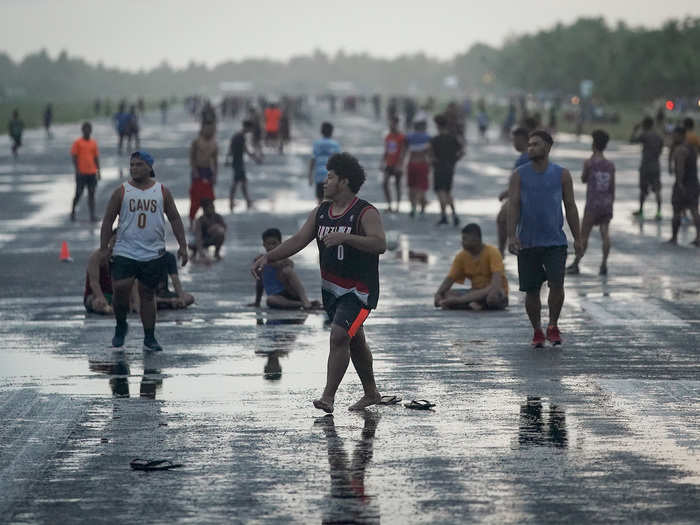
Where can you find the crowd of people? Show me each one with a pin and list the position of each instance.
(131, 270)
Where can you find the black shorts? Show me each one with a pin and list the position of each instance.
(650, 179)
(88, 181)
(149, 273)
(239, 174)
(442, 180)
(319, 190)
(685, 200)
(346, 311)
(540, 264)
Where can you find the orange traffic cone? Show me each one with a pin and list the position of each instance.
(65, 254)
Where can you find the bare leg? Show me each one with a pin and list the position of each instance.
(148, 309)
(696, 220)
(91, 201)
(282, 303)
(675, 225)
(362, 361)
(338, 361)
(387, 193)
(291, 280)
(586, 227)
(120, 299)
(244, 189)
(555, 302)
(79, 186)
(605, 236)
(533, 306)
(397, 180)
(442, 198)
(502, 223)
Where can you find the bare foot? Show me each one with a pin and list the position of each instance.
(324, 405)
(365, 401)
(476, 306)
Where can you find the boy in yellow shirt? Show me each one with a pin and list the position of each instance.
(483, 266)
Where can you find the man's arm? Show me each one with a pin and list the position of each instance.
(567, 186)
(97, 163)
(294, 244)
(214, 164)
(176, 224)
(586, 171)
(75, 163)
(443, 289)
(113, 207)
(513, 212)
(193, 158)
(679, 156)
(373, 241)
(258, 293)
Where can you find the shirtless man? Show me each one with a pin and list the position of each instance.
(209, 230)
(204, 164)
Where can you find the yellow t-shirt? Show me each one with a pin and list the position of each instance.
(479, 270)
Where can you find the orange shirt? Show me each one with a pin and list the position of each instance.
(480, 269)
(85, 152)
(393, 144)
(272, 119)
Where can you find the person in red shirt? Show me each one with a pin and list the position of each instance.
(394, 149)
(86, 160)
(273, 115)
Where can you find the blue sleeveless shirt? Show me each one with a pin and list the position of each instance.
(272, 285)
(541, 219)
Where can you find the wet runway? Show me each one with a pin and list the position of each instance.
(604, 429)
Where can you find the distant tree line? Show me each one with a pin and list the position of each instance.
(624, 63)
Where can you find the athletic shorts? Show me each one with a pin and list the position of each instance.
(239, 174)
(319, 190)
(650, 178)
(88, 181)
(685, 200)
(392, 171)
(418, 175)
(149, 273)
(346, 311)
(539, 264)
(442, 180)
(598, 215)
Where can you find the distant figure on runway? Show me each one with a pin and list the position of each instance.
(86, 161)
(121, 124)
(446, 150)
(535, 231)
(599, 177)
(15, 128)
(273, 116)
(204, 166)
(139, 251)
(350, 238)
(279, 280)
(686, 189)
(48, 120)
(483, 266)
(133, 129)
(418, 166)
(650, 168)
(392, 162)
(323, 149)
(236, 157)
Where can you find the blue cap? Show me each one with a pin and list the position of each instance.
(144, 156)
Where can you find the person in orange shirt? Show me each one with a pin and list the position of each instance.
(273, 115)
(483, 266)
(86, 160)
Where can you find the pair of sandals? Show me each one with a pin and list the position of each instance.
(420, 404)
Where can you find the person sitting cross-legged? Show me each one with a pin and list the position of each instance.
(483, 266)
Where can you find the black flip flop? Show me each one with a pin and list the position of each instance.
(389, 400)
(153, 464)
(421, 404)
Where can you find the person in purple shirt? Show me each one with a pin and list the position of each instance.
(536, 234)
(599, 177)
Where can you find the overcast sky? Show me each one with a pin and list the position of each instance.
(135, 34)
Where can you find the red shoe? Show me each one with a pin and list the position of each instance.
(553, 335)
(538, 338)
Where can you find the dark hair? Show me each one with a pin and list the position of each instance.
(688, 123)
(272, 232)
(530, 124)
(600, 139)
(440, 121)
(472, 229)
(647, 122)
(347, 167)
(86, 124)
(543, 135)
(520, 132)
(327, 129)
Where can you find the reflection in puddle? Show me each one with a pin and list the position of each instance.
(348, 502)
(276, 343)
(116, 366)
(533, 430)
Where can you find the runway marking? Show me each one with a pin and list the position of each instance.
(638, 311)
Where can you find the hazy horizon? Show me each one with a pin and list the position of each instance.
(110, 32)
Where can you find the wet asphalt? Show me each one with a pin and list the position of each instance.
(603, 429)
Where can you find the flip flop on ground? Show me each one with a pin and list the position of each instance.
(421, 404)
(389, 400)
(153, 464)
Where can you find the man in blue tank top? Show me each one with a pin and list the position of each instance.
(535, 231)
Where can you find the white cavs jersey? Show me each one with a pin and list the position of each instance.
(141, 231)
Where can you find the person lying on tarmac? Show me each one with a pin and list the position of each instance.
(279, 280)
(483, 266)
(167, 299)
(209, 230)
(97, 297)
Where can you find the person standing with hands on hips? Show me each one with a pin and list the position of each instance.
(535, 231)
